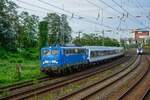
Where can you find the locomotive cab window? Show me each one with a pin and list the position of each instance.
(46, 52)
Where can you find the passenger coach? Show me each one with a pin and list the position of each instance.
(100, 53)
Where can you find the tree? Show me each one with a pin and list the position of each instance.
(90, 39)
(8, 24)
(54, 28)
(43, 36)
(59, 29)
(28, 30)
(65, 30)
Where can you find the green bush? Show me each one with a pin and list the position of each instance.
(9, 61)
(14, 55)
(3, 53)
(20, 60)
(12, 60)
(30, 54)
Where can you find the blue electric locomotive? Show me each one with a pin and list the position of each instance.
(56, 58)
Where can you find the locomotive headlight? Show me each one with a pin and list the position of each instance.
(45, 62)
(54, 61)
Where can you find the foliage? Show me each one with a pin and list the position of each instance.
(29, 70)
(8, 24)
(147, 45)
(30, 54)
(90, 39)
(65, 30)
(27, 58)
(3, 53)
(59, 29)
(54, 28)
(28, 30)
(43, 36)
(20, 31)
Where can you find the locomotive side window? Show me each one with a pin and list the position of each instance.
(74, 51)
(81, 51)
(54, 52)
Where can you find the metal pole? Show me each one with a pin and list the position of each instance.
(79, 35)
(103, 38)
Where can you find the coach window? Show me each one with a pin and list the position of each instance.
(116, 51)
(101, 53)
(111, 52)
(121, 50)
(95, 54)
(104, 53)
(92, 54)
(108, 52)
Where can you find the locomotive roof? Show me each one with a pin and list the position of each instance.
(66, 47)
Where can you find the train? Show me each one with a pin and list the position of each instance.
(139, 50)
(61, 59)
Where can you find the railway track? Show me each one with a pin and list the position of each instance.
(140, 88)
(88, 91)
(30, 91)
(147, 95)
(23, 84)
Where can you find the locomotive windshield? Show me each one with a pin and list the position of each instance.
(50, 52)
(46, 52)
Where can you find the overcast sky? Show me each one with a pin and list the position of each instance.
(94, 15)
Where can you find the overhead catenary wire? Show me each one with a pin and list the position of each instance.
(112, 8)
(64, 10)
(99, 7)
(47, 3)
(54, 6)
(143, 9)
(32, 10)
(122, 14)
(79, 17)
(128, 12)
(118, 10)
(67, 11)
(36, 6)
(140, 5)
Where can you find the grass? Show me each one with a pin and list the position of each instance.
(30, 68)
